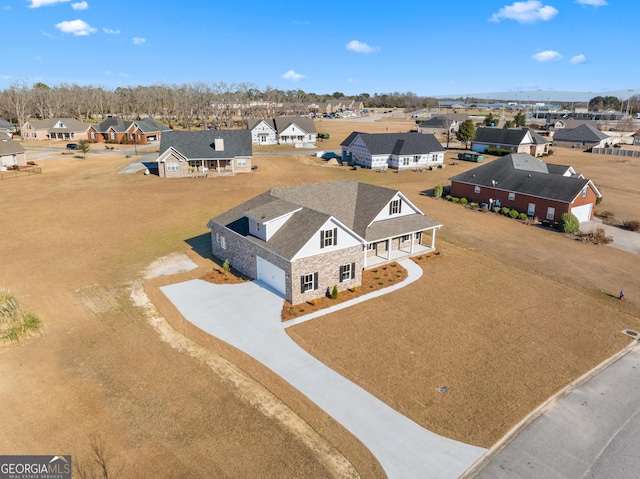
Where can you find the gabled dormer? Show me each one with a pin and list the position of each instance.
(398, 206)
(265, 220)
(60, 124)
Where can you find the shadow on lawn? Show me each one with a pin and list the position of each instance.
(201, 245)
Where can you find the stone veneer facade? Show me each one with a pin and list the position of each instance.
(242, 253)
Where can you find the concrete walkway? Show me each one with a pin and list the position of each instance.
(247, 316)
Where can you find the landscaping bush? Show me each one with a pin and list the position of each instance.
(491, 150)
(514, 214)
(496, 209)
(632, 225)
(455, 200)
(569, 223)
(464, 201)
(550, 152)
(505, 211)
(598, 200)
(448, 197)
(523, 216)
(226, 266)
(473, 204)
(334, 292)
(599, 236)
(437, 191)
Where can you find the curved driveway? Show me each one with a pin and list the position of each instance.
(247, 316)
(593, 432)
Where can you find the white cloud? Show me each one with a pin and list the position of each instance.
(360, 47)
(5, 77)
(578, 59)
(547, 56)
(108, 31)
(593, 3)
(530, 11)
(45, 3)
(292, 75)
(79, 28)
(139, 40)
(120, 74)
(80, 6)
(46, 34)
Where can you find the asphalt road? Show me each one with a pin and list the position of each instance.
(592, 433)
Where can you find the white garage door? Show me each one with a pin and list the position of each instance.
(583, 213)
(271, 275)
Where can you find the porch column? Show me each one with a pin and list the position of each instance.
(364, 259)
(218, 166)
(233, 166)
(413, 237)
(202, 166)
(433, 239)
(389, 249)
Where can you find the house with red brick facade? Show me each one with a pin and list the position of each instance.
(117, 130)
(204, 153)
(527, 184)
(303, 240)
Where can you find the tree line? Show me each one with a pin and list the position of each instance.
(190, 105)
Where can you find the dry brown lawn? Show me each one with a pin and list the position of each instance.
(506, 315)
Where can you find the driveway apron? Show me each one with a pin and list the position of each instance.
(247, 316)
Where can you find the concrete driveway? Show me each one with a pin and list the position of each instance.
(622, 239)
(591, 433)
(247, 316)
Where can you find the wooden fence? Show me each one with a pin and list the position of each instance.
(28, 171)
(616, 152)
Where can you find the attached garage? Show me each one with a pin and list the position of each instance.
(583, 213)
(271, 275)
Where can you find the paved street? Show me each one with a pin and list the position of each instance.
(593, 432)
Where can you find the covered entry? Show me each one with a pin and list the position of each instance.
(271, 275)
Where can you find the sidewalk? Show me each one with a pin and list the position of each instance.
(247, 316)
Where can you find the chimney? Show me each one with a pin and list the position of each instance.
(218, 144)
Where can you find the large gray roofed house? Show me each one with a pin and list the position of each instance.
(6, 125)
(283, 122)
(201, 144)
(149, 125)
(583, 133)
(353, 204)
(118, 125)
(253, 122)
(397, 143)
(501, 136)
(523, 173)
(69, 124)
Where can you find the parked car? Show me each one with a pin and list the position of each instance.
(72, 146)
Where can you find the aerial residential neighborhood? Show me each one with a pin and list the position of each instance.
(325, 242)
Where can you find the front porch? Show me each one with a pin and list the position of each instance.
(395, 248)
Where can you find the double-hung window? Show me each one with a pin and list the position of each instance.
(395, 207)
(328, 238)
(347, 272)
(308, 282)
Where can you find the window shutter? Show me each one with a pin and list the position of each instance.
(399, 205)
(340, 274)
(315, 280)
(353, 270)
(321, 239)
(391, 208)
(302, 283)
(335, 236)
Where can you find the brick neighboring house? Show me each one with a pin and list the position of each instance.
(304, 240)
(114, 130)
(520, 140)
(204, 153)
(12, 153)
(68, 129)
(583, 136)
(402, 151)
(527, 184)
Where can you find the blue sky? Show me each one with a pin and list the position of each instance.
(429, 47)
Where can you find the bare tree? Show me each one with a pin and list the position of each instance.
(19, 99)
(98, 463)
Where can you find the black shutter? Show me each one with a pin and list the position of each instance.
(399, 205)
(391, 208)
(302, 283)
(353, 270)
(321, 239)
(315, 280)
(335, 236)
